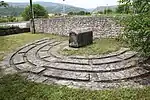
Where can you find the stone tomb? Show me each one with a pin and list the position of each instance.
(80, 37)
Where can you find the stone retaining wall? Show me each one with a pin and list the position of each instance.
(101, 26)
(13, 30)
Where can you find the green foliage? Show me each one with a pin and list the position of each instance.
(120, 9)
(18, 8)
(124, 6)
(133, 6)
(100, 12)
(70, 13)
(137, 33)
(108, 11)
(79, 13)
(141, 6)
(123, 9)
(3, 4)
(9, 19)
(137, 27)
(39, 12)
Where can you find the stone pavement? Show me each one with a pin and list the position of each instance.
(41, 62)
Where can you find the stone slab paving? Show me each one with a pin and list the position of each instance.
(24, 67)
(25, 49)
(40, 62)
(18, 59)
(70, 75)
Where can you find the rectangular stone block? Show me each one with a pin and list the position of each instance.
(41, 79)
(106, 60)
(75, 61)
(24, 50)
(80, 37)
(18, 59)
(37, 70)
(62, 74)
(127, 55)
(46, 48)
(24, 67)
(43, 54)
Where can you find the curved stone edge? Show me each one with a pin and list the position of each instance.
(35, 43)
(96, 61)
(35, 54)
(112, 54)
(87, 63)
(48, 55)
(8, 56)
(5, 64)
(116, 54)
(102, 56)
(88, 68)
(137, 82)
(101, 81)
(65, 59)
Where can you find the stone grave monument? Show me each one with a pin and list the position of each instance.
(80, 37)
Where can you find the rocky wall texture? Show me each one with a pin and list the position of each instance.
(101, 26)
(12, 30)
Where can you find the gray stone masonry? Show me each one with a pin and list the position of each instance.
(101, 26)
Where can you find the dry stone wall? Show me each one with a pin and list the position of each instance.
(101, 26)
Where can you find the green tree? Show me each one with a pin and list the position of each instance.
(135, 6)
(70, 13)
(137, 28)
(39, 12)
(81, 13)
(141, 6)
(87, 13)
(3, 4)
(124, 6)
(100, 12)
(107, 11)
(120, 9)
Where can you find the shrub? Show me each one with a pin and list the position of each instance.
(137, 33)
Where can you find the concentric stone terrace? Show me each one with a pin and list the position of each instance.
(41, 62)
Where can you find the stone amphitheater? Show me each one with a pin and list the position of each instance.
(41, 62)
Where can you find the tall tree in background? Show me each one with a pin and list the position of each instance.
(135, 6)
(38, 11)
(108, 11)
(124, 6)
(3, 4)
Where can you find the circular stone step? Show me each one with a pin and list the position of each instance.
(92, 68)
(41, 62)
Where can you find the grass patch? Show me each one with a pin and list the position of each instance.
(11, 42)
(1, 56)
(99, 46)
(14, 87)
